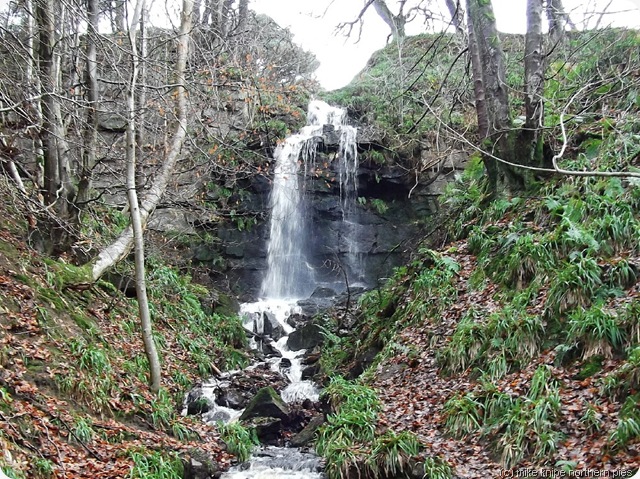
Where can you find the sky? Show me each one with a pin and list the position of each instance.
(313, 23)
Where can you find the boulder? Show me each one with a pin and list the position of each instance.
(310, 371)
(268, 429)
(305, 436)
(197, 402)
(266, 403)
(199, 465)
(232, 398)
(307, 337)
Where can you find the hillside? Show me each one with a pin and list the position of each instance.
(74, 400)
(511, 339)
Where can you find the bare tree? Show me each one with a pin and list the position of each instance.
(494, 93)
(534, 68)
(558, 20)
(457, 14)
(134, 207)
(120, 248)
(58, 189)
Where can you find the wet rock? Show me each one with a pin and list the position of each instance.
(199, 465)
(323, 292)
(267, 347)
(305, 436)
(197, 402)
(266, 403)
(232, 398)
(285, 363)
(272, 328)
(310, 371)
(307, 337)
(296, 320)
(268, 429)
(199, 406)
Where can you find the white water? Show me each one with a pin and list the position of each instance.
(289, 274)
(277, 463)
(254, 314)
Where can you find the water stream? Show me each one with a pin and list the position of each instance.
(290, 277)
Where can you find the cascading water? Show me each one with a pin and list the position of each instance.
(348, 168)
(290, 277)
(289, 274)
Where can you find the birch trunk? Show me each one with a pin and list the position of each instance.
(121, 247)
(155, 373)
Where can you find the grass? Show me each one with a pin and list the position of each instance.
(240, 440)
(597, 330)
(348, 441)
(155, 465)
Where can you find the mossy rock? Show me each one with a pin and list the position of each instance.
(266, 403)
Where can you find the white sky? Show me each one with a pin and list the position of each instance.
(313, 24)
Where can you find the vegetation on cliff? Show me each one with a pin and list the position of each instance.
(511, 338)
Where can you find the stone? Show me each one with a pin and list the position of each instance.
(199, 465)
(285, 363)
(307, 434)
(268, 429)
(271, 326)
(232, 398)
(323, 292)
(266, 403)
(199, 406)
(310, 371)
(197, 402)
(307, 337)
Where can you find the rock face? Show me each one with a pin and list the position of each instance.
(383, 223)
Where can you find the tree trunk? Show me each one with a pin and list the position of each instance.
(121, 247)
(395, 22)
(497, 138)
(134, 209)
(478, 81)
(141, 104)
(92, 98)
(558, 20)
(58, 190)
(243, 13)
(534, 83)
(457, 15)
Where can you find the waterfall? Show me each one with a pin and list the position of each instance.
(289, 274)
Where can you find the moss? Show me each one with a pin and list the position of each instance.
(66, 275)
(589, 368)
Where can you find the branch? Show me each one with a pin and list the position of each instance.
(350, 25)
(559, 155)
(556, 168)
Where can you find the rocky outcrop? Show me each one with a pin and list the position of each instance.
(267, 403)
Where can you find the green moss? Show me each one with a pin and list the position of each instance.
(590, 367)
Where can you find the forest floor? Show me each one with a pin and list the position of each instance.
(74, 409)
(414, 393)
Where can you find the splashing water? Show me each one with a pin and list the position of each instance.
(289, 274)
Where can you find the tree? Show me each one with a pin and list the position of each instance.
(492, 97)
(58, 190)
(396, 22)
(534, 68)
(558, 20)
(120, 248)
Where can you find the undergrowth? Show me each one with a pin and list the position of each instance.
(350, 442)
